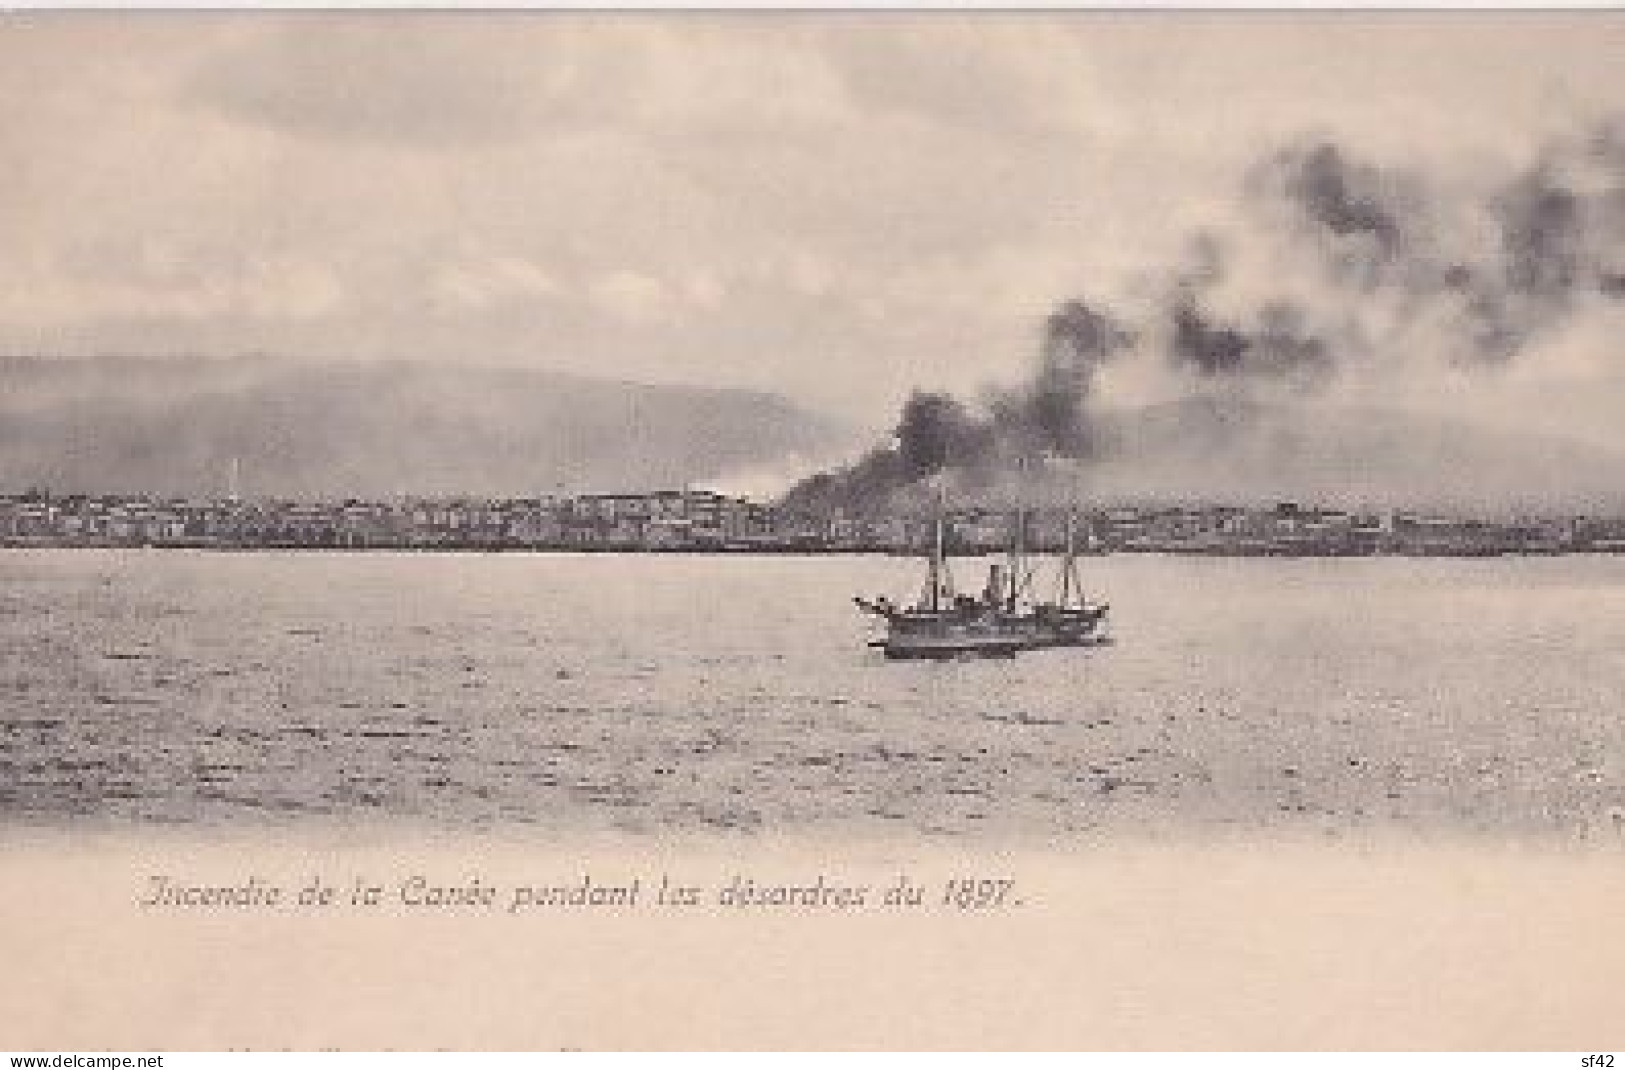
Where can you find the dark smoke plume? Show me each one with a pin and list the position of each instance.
(935, 432)
(1279, 345)
(1557, 226)
(1077, 341)
(1021, 428)
(1357, 203)
(1211, 349)
(1345, 268)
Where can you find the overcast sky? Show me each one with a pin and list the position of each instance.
(838, 207)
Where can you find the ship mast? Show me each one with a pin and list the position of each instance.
(1069, 563)
(1018, 539)
(936, 576)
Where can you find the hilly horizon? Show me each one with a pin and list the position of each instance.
(311, 429)
(1234, 449)
(307, 429)
(1346, 454)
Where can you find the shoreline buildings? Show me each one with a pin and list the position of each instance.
(706, 521)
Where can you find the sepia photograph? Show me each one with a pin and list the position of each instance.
(871, 529)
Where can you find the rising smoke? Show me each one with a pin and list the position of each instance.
(1343, 271)
(1487, 272)
(1014, 429)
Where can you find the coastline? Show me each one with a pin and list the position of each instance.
(772, 550)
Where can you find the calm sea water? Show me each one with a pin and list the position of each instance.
(663, 694)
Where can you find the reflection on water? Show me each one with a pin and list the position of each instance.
(690, 693)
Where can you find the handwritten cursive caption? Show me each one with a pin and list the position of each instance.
(584, 891)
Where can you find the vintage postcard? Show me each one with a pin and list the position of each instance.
(823, 530)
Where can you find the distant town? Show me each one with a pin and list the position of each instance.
(706, 521)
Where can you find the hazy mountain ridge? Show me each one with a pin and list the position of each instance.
(325, 429)
(1235, 449)
(1229, 448)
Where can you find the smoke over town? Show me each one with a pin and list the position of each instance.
(1345, 290)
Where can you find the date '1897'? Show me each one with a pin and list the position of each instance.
(984, 894)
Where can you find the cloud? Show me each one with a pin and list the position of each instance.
(405, 80)
(1021, 77)
(442, 81)
(835, 204)
(631, 295)
(474, 285)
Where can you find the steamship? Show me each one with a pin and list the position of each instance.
(1002, 620)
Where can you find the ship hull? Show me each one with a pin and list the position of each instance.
(950, 648)
(1068, 628)
(1002, 622)
(934, 636)
(943, 637)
